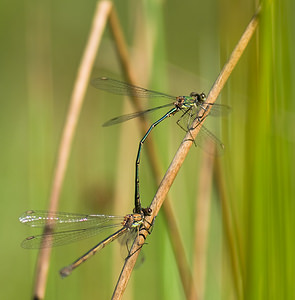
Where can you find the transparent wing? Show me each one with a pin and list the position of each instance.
(127, 117)
(62, 220)
(219, 110)
(63, 237)
(123, 88)
(216, 110)
(205, 137)
(68, 227)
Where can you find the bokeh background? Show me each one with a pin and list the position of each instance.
(176, 47)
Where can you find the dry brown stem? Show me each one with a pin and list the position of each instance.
(99, 21)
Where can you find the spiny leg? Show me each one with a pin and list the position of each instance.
(191, 116)
(142, 227)
(188, 113)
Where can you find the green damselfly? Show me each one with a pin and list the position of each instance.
(192, 107)
(64, 228)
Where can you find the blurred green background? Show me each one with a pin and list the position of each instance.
(176, 47)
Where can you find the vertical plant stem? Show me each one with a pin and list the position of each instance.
(98, 26)
(202, 214)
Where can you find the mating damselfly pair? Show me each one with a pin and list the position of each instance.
(63, 228)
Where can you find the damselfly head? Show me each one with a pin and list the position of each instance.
(199, 98)
(203, 97)
(194, 94)
(146, 211)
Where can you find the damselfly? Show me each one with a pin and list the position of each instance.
(63, 228)
(192, 107)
